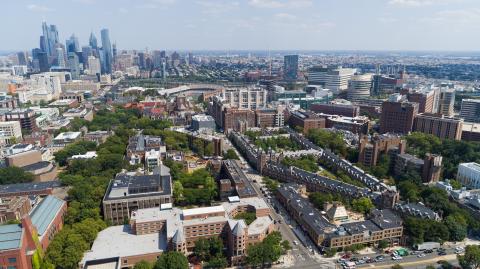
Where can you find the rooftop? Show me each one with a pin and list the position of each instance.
(44, 213)
(29, 187)
(130, 184)
(10, 236)
(202, 118)
(472, 166)
(68, 135)
(118, 241)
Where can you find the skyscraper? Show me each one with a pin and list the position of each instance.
(93, 65)
(290, 67)
(44, 42)
(93, 41)
(447, 100)
(72, 44)
(60, 54)
(22, 58)
(107, 50)
(74, 65)
(86, 52)
(53, 37)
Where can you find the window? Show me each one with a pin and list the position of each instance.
(12, 260)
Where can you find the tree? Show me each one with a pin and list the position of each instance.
(202, 249)
(13, 174)
(266, 252)
(177, 190)
(231, 154)
(218, 261)
(457, 227)
(409, 191)
(249, 217)
(143, 265)
(362, 205)
(471, 258)
(383, 244)
(172, 260)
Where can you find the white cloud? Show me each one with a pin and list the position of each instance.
(280, 4)
(153, 4)
(122, 10)
(216, 7)
(466, 17)
(387, 20)
(420, 3)
(285, 16)
(40, 8)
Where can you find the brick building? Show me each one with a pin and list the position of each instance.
(152, 231)
(397, 117)
(439, 126)
(306, 120)
(129, 192)
(18, 242)
(379, 225)
(371, 149)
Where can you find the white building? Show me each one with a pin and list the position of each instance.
(337, 79)
(152, 159)
(93, 65)
(359, 87)
(246, 98)
(469, 175)
(67, 138)
(86, 156)
(40, 87)
(20, 70)
(10, 131)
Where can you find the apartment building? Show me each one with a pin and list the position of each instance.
(10, 131)
(439, 126)
(336, 109)
(371, 149)
(397, 117)
(470, 110)
(379, 225)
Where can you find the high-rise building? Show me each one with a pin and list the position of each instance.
(447, 100)
(93, 41)
(94, 65)
(317, 75)
(439, 126)
(425, 101)
(74, 65)
(45, 40)
(359, 87)
(290, 67)
(60, 55)
(141, 60)
(43, 61)
(86, 52)
(470, 110)
(22, 58)
(107, 51)
(397, 117)
(72, 44)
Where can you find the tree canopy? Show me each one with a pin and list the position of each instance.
(12, 175)
(266, 252)
(171, 260)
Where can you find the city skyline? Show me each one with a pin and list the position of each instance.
(378, 25)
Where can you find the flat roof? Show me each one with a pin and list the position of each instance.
(28, 187)
(118, 241)
(203, 210)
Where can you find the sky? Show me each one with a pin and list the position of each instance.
(444, 25)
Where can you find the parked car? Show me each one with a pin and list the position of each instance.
(397, 258)
(421, 255)
(380, 258)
